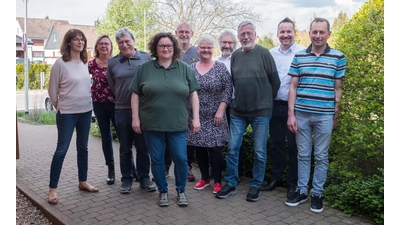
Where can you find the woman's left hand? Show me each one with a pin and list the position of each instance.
(218, 118)
(195, 126)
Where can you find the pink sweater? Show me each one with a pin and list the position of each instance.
(69, 87)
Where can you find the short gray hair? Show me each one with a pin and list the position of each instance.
(123, 32)
(228, 33)
(245, 23)
(207, 38)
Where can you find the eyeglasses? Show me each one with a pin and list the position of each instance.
(249, 34)
(169, 47)
(228, 42)
(105, 44)
(77, 39)
(204, 48)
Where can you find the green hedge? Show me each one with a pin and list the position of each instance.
(33, 76)
(355, 176)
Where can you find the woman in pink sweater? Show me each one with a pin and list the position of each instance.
(69, 92)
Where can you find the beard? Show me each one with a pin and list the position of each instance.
(247, 46)
(226, 52)
(184, 40)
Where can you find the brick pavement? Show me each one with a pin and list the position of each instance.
(108, 206)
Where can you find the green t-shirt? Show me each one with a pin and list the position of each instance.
(163, 95)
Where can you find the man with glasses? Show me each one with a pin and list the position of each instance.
(120, 71)
(184, 33)
(256, 83)
(228, 43)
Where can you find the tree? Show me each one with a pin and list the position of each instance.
(337, 25)
(267, 41)
(357, 146)
(297, 38)
(205, 16)
(302, 36)
(360, 135)
(137, 15)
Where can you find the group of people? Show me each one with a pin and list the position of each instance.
(178, 101)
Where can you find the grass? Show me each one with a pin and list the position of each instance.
(49, 118)
(38, 117)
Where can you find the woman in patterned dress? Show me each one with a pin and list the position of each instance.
(214, 96)
(103, 99)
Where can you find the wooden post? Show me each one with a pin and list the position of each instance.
(17, 139)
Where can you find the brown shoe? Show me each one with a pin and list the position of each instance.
(87, 187)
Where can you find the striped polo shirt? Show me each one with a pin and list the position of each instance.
(317, 75)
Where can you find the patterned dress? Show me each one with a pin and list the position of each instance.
(101, 91)
(215, 87)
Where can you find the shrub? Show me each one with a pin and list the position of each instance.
(354, 181)
(33, 75)
(363, 196)
(358, 143)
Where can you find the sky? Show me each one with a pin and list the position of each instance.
(85, 12)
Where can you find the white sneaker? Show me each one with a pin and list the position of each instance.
(182, 199)
(163, 199)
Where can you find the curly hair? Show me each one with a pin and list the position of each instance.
(156, 38)
(65, 48)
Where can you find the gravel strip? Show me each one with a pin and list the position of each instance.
(28, 213)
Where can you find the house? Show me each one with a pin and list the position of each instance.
(18, 46)
(56, 35)
(46, 36)
(38, 32)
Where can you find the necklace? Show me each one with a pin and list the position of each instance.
(101, 62)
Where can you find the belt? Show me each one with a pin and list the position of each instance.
(280, 102)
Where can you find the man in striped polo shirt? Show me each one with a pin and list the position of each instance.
(314, 95)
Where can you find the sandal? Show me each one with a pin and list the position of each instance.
(89, 188)
(53, 201)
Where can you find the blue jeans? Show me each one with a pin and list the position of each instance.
(66, 123)
(279, 134)
(127, 137)
(156, 143)
(105, 113)
(318, 126)
(238, 126)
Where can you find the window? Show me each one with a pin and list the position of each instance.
(38, 54)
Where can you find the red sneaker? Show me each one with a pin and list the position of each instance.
(217, 187)
(202, 184)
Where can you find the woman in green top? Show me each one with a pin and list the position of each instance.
(160, 91)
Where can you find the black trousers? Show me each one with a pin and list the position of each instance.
(282, 154)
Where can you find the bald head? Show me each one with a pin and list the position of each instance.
(185, 26)
(184, 33)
